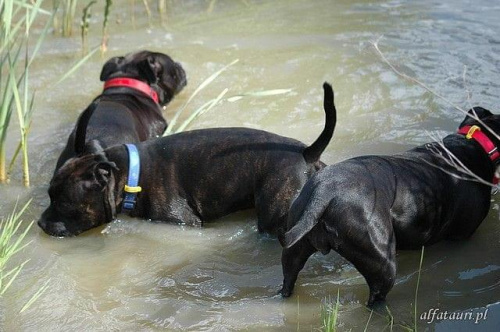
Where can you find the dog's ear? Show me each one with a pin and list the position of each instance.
(111, 66)
(103, 172)
(93, 147)
(478, 111)
(149, 69)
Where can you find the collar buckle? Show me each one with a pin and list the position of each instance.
(471, 131)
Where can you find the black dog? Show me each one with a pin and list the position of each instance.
(366, 207)
(188, 178)
(129, 109)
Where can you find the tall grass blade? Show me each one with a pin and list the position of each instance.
(298, 313)
(35, 296)
(12, 274)
(21, 119)
(9, 246)
(259, 94)
(202, 86)
(85, 25)
(368, 322)
(204, 108)
(42, 36)
(418, 284)
(104, 42)
(330, 314)
(77, 65)
(16, 89)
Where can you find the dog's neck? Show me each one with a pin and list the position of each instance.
(475, 133)
(132, 187)
(127, 82)
(118, 155)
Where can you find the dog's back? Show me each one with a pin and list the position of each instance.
(129, 109)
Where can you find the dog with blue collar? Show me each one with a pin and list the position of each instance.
(188, 178)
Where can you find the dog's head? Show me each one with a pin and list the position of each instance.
(165, 75)
(81, 196)
(487, 121)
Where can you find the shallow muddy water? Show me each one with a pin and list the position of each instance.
(135, 275)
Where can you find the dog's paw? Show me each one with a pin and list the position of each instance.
(285, 292)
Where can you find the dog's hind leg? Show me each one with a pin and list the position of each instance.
(293, 260)
(376, 262)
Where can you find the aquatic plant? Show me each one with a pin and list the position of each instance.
(68, 17)
(85, 25)
(203, 85)
(16, 20)
(107, 11)
(330, 313)
(416, 288)
(12, 241)
(162, 9)
(215, 101)
(9, 246)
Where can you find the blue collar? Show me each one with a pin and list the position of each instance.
(131, 188)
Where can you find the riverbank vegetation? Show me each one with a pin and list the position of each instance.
(12, 241)
(17, 18)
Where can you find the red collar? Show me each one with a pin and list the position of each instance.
(488, 146)
(133, 84)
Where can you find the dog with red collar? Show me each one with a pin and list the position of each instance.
(129, 110)
(367, 207)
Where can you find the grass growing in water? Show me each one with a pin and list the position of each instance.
(16, 20)
(85, 25)
(329, 311)
(12, 241)
(215, 101)
(69, 11)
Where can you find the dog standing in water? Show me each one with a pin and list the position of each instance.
(187, 178)
(366, 207)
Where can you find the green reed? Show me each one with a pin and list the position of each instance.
(10, 245)
(107, 11)
(85, 25)
(12, 241)
(68, 16)
(416, 288)
(69, 9)
(171, 129)
(16, 20)
(162, 9)
(330, 313)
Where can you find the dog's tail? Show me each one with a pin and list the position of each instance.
(81, 127)
(304, 214)
(313, 152)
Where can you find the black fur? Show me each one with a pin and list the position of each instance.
(366, 207)
(123, 115)
(189, 178)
